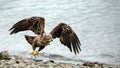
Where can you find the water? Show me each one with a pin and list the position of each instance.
(96, 22)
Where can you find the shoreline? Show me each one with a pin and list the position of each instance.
(6, 61)
(31, 63)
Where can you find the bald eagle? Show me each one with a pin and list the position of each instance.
(37, 24)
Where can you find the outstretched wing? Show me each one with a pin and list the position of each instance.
(67, 37)
(36, 24)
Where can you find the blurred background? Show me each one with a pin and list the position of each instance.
(96, 22)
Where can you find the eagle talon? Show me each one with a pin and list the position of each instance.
(32, 53)
(37, 53)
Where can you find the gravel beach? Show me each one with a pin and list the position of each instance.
(29, 63)
(19, 62)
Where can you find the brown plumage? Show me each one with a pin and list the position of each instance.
(67, 37)
(37, 24)
(33, 41)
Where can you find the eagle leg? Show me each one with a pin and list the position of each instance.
(32, 53)
(37, 54)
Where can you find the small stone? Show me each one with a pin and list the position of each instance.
(92, 64)
(15, 65)
(1, 66)
(38, 60)
(50, 66)
(18, 58)
(50, 61)
(67, 65)
(12, 61)
(96, 65)
(7, 63)
(58, 67)
(28, 66)
(17, 62)
(21, 65)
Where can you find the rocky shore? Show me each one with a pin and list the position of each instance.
(19, 62)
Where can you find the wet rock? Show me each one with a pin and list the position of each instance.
(22, 65)
(5, 55)
(44, 65)
(49, 62)
(38, 60)
(17, 62)
(18, 57)
(12, 61)
(92, 64)
(66, 65)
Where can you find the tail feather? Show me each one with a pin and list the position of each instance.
(29, 39)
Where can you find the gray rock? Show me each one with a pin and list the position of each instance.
(5, 55)
(18, 57)
(92, 64)
(17, 61)
(66, 65)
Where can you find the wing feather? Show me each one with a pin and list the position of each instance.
(36, 24)
(64, 38)
(67, 37)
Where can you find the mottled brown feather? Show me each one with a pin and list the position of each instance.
(67, 37)
(36, 24)
(30, 40)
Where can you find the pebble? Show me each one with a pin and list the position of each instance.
(18, 57)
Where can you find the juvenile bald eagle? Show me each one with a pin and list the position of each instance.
(37, 24)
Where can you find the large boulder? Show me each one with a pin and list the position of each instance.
(4, 55)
